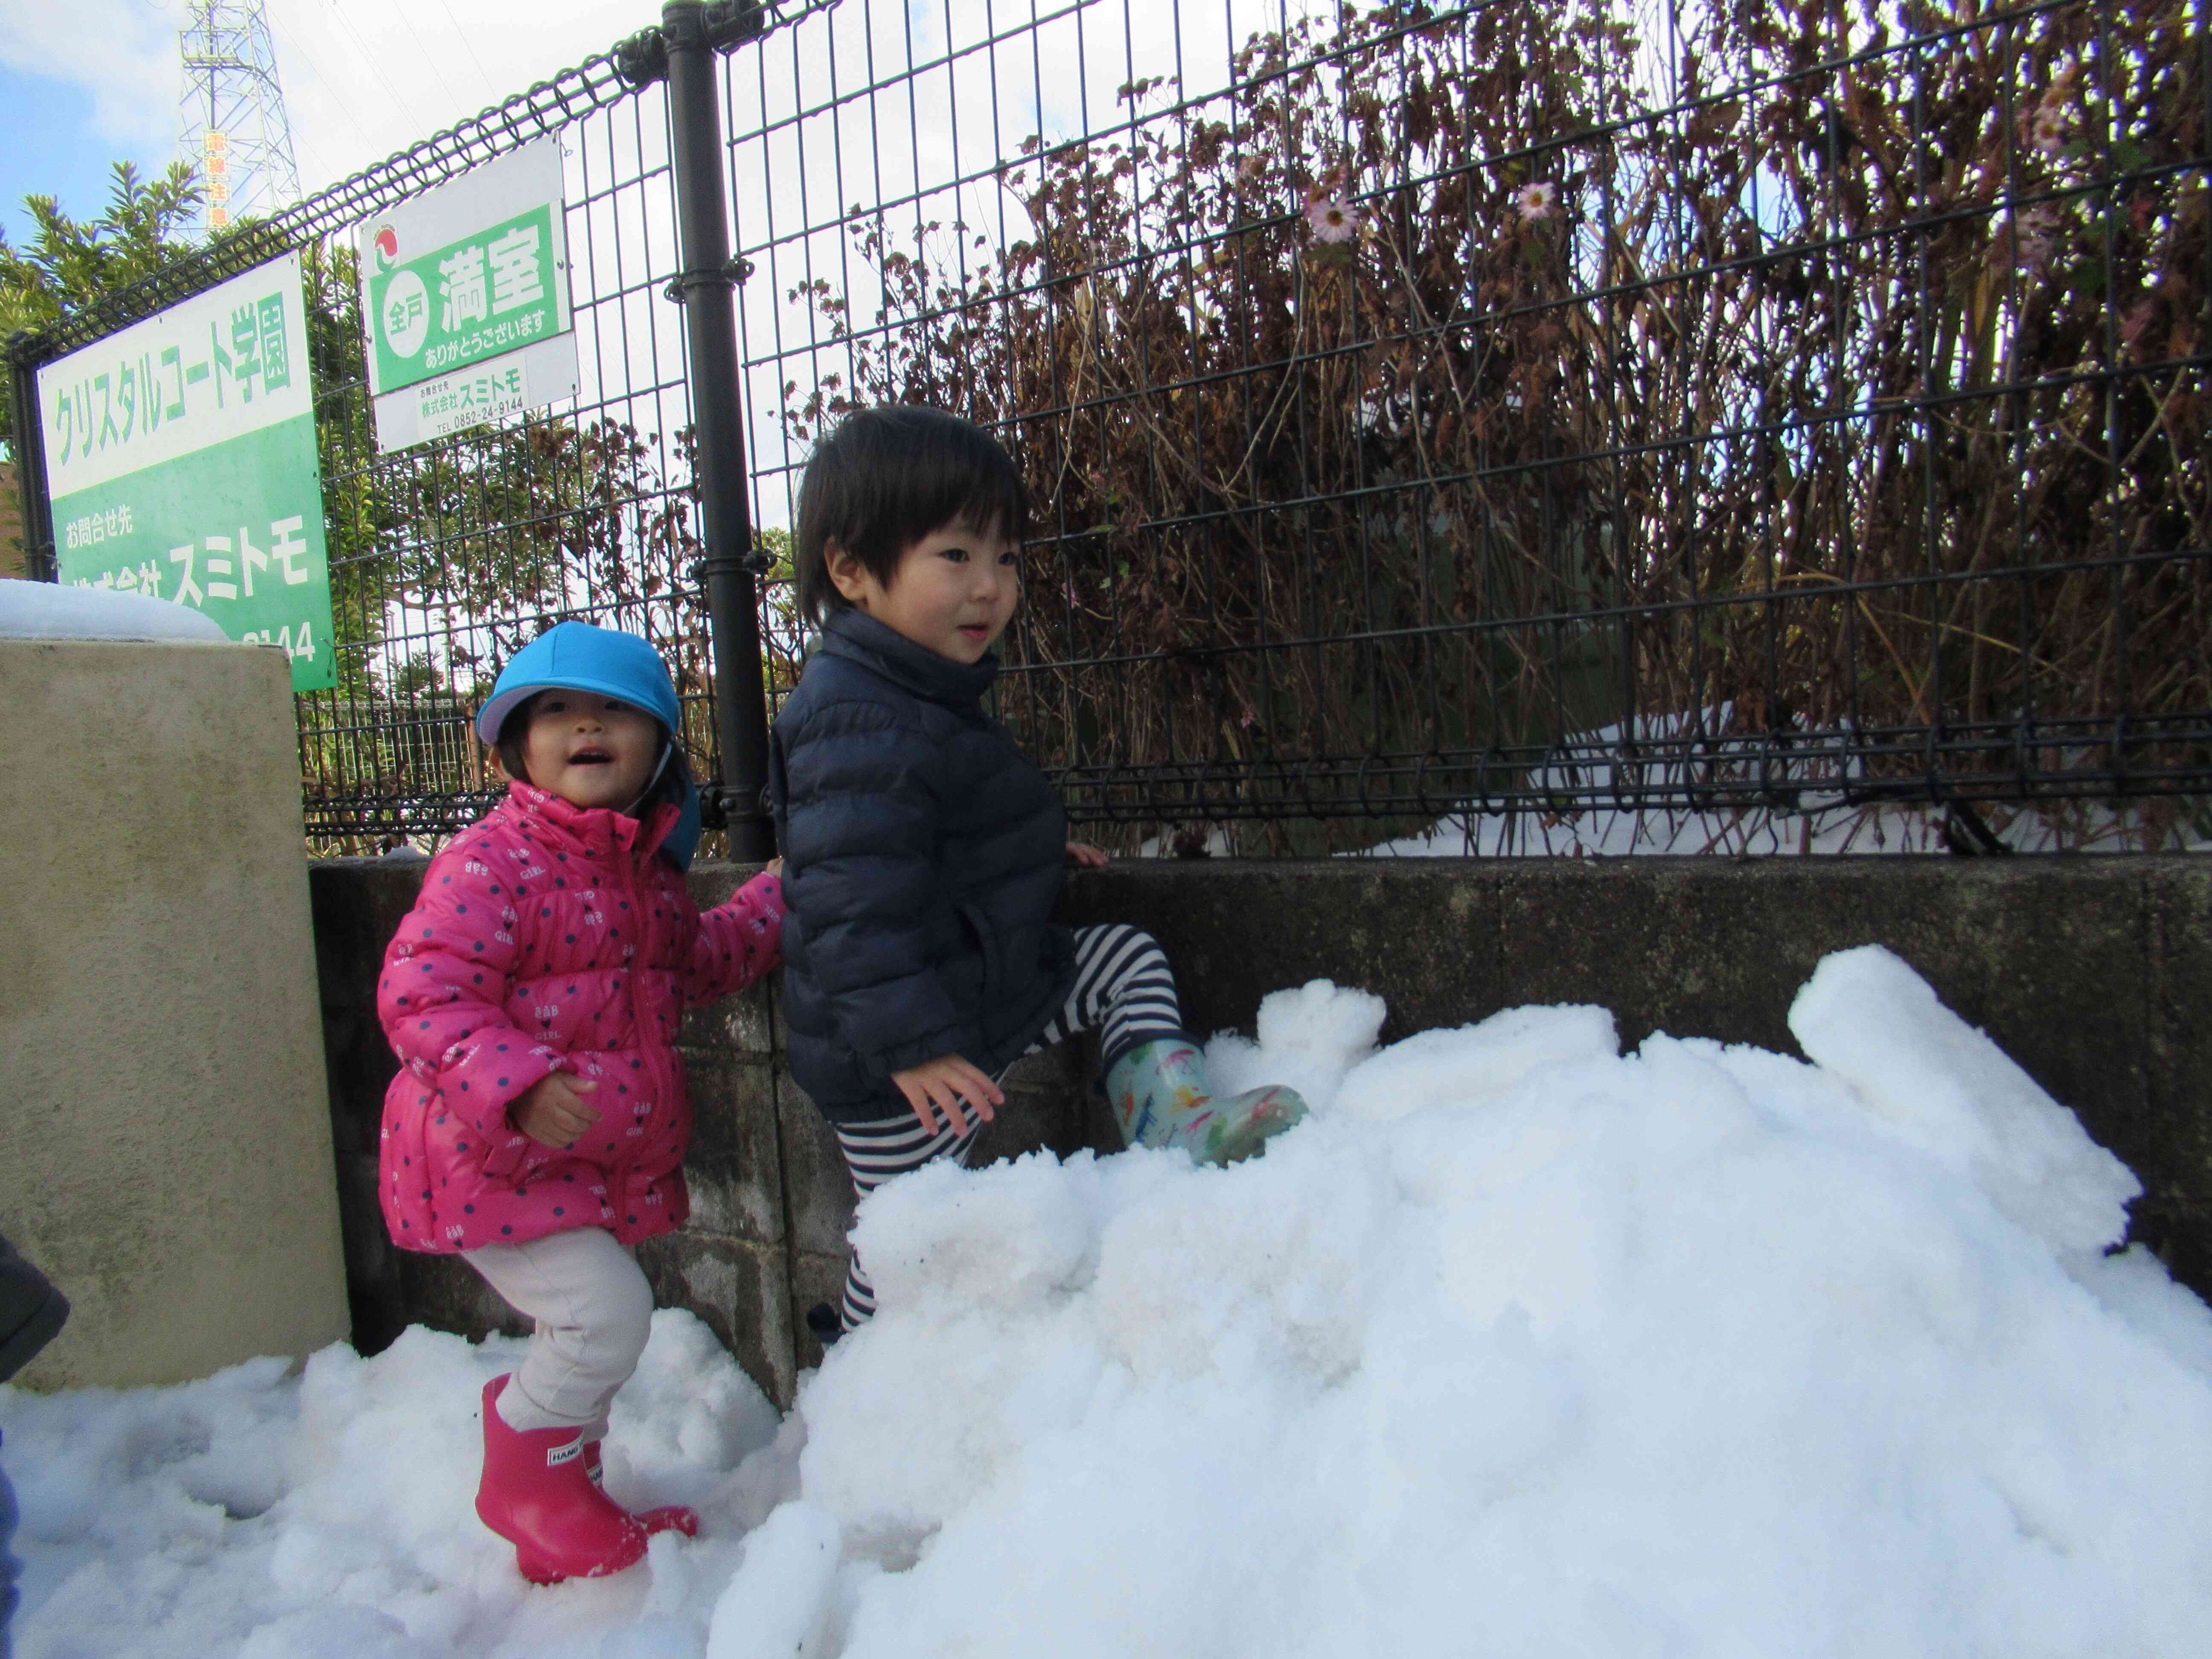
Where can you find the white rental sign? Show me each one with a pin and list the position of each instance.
(465, 295)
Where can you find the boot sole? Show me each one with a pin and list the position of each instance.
(1252, 1138)
(540, 1570)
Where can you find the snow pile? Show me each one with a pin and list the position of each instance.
(44, 611)
(1521, 1346)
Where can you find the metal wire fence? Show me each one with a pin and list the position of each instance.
(465, 548)
(1700, 416)
(447, 557)
(1691, 418)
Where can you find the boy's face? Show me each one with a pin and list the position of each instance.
(588, 749)
(954, 590)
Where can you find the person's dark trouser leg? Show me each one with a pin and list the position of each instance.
(10, 1568)
(31, 1311)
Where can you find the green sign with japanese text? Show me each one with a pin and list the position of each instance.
(456, 305)
(181, 465)
(465, 300)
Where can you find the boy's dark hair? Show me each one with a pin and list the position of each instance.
(675, 777)
(886, 477)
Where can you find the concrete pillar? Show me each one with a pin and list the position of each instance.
(164, 1139)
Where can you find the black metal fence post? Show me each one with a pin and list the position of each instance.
(706, 284)
(39, 560)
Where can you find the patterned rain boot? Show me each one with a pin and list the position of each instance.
(537, 1495)
(1161, 1098)
(669, 1517)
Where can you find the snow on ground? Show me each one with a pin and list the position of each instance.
(1760, 832)
(1826, 824)
(44, 611)
(1520, 1347)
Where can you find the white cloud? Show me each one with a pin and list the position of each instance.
(360, 81)
(363, 82)
(122, 53)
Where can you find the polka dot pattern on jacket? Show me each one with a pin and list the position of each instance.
(551, 938)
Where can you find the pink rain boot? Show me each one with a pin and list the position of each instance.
(669, 1517)
(537, 1494)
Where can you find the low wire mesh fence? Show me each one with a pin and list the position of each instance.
(1590, 425)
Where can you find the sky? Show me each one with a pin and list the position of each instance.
(90, 83)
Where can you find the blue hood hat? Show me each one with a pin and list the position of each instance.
(576, 656)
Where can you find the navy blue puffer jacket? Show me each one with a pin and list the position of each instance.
(922, 858)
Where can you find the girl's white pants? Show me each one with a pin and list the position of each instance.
(592, 1309)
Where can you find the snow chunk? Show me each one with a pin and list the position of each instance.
(47, 610)
(779, 1601)
(1310, 1037)
(1474, 1065)
(1866, 1018)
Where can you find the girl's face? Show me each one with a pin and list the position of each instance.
(954, 590)
(590, 749)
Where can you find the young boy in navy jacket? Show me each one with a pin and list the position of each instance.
(923, 855)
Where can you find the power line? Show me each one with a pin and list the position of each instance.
(460, 104)
(343, 106)
(398, 98)
(493, 92)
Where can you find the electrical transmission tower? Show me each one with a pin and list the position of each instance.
(232, 130)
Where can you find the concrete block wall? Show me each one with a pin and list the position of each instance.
(2095, 974)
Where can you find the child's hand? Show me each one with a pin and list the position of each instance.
(553, 1111)
(1083, 856)
(940, 1084)
(776, 868)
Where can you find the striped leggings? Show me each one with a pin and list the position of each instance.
(1124, 990)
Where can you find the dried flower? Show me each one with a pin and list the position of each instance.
(1536, 201)
(2137, 323)
(2032, 234)
(1251, 168)
(1332, 219)
(2045, 126)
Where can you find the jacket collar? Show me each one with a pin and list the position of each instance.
(596, 831)
(860, 638)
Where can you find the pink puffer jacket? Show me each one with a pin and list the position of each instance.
(549, 938)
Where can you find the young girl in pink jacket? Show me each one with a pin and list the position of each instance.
(538, 1122)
